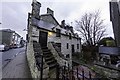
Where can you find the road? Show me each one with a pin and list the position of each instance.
(7, 56)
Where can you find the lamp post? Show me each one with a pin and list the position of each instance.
(26, 31)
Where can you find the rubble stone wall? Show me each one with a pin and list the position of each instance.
(35, 73)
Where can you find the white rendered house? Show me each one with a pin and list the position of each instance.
(61, 34)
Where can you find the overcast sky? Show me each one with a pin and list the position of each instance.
(14, 12)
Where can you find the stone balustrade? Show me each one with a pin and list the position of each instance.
(59, 59)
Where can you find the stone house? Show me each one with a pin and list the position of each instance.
(49, 44)
(61, 34)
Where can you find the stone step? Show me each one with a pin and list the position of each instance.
(53, 61)
(47, 55)
(37, 50)
(36, 45)
(44, 47)
(45, 50)
(37, 55)
(51, 66)
(48, 58)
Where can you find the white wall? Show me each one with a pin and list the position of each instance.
(64, 40)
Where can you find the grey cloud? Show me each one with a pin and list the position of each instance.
(14, 16)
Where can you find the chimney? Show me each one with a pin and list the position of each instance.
(49, 11)
(63, 23)
(71, 29)
(36, 8)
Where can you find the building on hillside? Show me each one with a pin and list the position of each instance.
(115, 18)
(9, 38)
(49, 44)
(47, 29)
(110, 54)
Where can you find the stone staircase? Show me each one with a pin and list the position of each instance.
(51, 62)
(49, 58)
(47, 55)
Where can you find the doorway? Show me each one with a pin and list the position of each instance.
(43, 38)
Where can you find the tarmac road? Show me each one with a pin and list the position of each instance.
(9, 55)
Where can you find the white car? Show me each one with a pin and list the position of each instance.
(3, 47)
(18, 45)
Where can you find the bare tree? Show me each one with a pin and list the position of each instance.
(91, 28)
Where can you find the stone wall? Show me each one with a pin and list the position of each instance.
(35, 73)
(60, 60)
(31, 61)
(108, 73)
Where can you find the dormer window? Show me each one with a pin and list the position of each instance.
(77, 46)
(58, 33)
(70, 37)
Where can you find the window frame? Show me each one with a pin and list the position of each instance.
(70, 36)
(77, 46)
(58, 33)
(67, 46)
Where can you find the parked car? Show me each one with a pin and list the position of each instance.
(18, 45)
(4, 47)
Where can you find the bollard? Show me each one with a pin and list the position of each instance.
(77, 73)
(41, 75)
(89, 75)
(83, 74)
(57, 72)
(72, 73)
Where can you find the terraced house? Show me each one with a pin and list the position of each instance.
(56, 42)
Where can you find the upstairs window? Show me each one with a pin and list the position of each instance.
(70, 36)
(67, 56)
(77, 46)
(58, 33)
(67, 46)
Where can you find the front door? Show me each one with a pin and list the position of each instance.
(73, 50)
(43, 38)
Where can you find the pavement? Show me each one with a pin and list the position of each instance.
(17, 68)
(9, 55)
